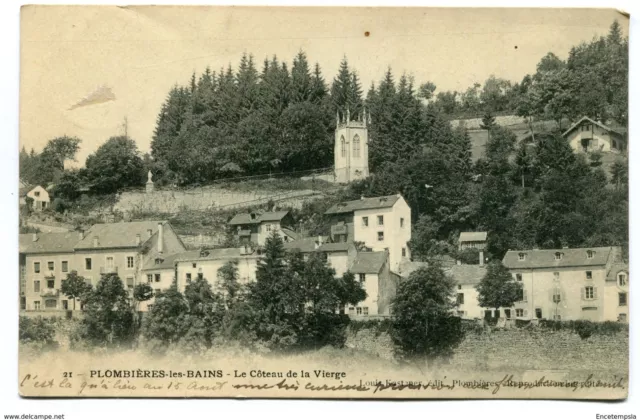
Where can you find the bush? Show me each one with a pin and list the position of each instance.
(37, 330)
(585, 329)
(469, 256)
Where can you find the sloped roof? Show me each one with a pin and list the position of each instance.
(599, 124)
(461, 274)
(48, 242)
(168, 261)
(368, 262)
(304, 245)
(472, 237)
(335, 246)
(214, 254)
(118, 235)
(364, 204)
(615, 269)
(467, 273)
(245, 218)
(291, 233)
(545, 258)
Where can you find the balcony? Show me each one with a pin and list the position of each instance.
(50, 293)
(109, 270)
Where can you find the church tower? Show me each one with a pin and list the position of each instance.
(351, 151)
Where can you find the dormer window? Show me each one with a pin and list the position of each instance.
(622, 279)
(590, 254)
(522, 256)
(159, 260)
(558, 256)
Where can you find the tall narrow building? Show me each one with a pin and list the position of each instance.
(351, 152)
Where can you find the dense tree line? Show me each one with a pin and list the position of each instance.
(593, 81)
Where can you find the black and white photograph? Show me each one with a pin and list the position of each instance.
(323, 202)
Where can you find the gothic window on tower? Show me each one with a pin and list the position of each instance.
(343, 146)
(356, 146)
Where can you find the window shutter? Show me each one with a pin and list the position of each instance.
(524, 295)
(583, 293)
(595, 293)
(526, 313)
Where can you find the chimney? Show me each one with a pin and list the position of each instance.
(81, 234)
(481, 258)
(138, 239)
(160, 237)
(34, 237)
(149, 233)
(253, 216)
(95, 242)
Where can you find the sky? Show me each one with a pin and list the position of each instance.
(84, 69)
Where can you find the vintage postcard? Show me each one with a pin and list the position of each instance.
(393, 203)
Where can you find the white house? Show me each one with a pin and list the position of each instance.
(571, 283)
(588, 135)
(380, 223)
(255, 228)
(41, 198)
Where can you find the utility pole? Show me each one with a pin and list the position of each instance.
(125, 126)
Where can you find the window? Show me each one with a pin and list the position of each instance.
(557, 297)
(402, 222)
(351, 310)
(622, 299)
(36, 286)
(361, 278)
(267, 227)
(380, 220)
(539, 313)
(50, 266)
(149, 278)
(194, 265)
(589, 292)
(622, 317)
(523, 295)
(507, 313)
(65, 266)
(365, 310)
(188, 277)
(519, 313)
(358, 311)
(356, 146)
(365, 221)
(461, 314)
(518, 277)
(149, 307)
(51, 284)
(129, 262)
(558, 256)
(589, 275)
(343, 147)
(129, 282)
(36, 305)
(157, 277)
(88, 280)
(109, 262)
(589, 254)
(460, 299)
(521, 256)
(459, 287)
(50, 304)
(557, 318)
(404, 252)
(87, 263)
(622, 279)
(36, 267)
(200, 276)
(556, 276)
(37, 193)
(157, 291)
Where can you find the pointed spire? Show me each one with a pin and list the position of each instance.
(337, 118)
(348, 115)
